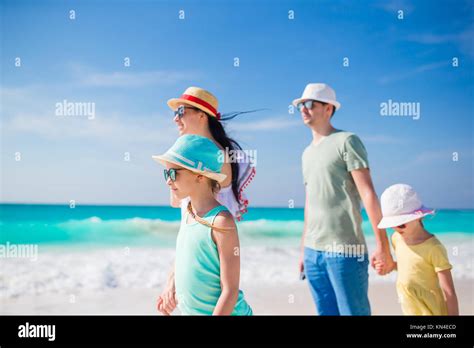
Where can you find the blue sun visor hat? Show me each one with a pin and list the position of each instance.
(197, 154)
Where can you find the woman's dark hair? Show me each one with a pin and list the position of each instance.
(219, 134)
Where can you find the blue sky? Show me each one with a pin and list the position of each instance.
(81, 60)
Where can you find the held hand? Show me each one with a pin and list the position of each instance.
(382, 261)
(301, 267)
(391, 265)
(167, 301)
(159, 305)
(301, 262)
(379, 266)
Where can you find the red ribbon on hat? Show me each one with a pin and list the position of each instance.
(202, 103)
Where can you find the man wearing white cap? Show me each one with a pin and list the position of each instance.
(336, 177)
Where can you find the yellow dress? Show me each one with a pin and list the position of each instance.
(418, 287)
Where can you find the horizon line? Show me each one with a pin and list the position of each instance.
(168, 206)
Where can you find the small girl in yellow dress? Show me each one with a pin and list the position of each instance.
(424, 284)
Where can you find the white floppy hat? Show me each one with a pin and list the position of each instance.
(401, 204)
(320, 92)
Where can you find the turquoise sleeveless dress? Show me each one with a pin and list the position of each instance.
(197, 269)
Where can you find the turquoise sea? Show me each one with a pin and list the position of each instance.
(93, 248)
(100, 225)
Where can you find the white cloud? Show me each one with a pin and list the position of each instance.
(133, 79)
(382, 139)
(441, 156)
(413, 72)
(127, 77)
(463, 40)
(268, 124)
(113, 128)
(31, 110)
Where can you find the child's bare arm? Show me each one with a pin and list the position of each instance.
(229, 256)
(447, 285)
(379, 267)
(167, 300)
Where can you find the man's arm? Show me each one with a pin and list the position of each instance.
(364, 185)
(301, 260)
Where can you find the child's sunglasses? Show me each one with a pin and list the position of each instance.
(180, 111)
(171, 173)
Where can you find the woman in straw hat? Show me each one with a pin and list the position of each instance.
(207, 268)
(196, 112)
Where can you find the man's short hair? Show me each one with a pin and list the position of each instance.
(333, 107)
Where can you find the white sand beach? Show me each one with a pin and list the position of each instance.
(265, 300)
(114, 282)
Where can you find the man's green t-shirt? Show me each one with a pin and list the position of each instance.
(333, 208)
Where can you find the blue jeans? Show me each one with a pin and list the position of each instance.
(339, 284)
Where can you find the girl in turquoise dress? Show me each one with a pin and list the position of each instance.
(207, 265)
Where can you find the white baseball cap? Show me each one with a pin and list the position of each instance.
(320, 92)
(401, 204)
